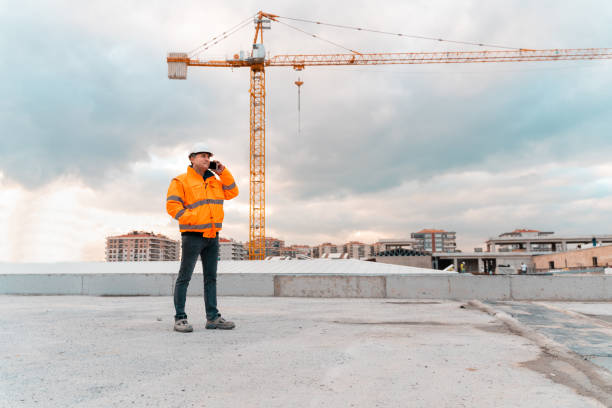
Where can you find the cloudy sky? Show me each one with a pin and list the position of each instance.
(92, 130)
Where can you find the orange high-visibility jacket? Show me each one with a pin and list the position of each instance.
(197, 202)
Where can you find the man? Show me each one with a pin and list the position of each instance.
(523, 268)
(195, 199)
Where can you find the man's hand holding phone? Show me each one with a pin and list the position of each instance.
(216, 166)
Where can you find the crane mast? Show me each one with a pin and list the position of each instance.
(257, 151)
(257, 194)
(257, 160)
(257, 61)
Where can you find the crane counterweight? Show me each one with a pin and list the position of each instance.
(177, 65)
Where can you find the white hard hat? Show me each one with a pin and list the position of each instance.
(199, 148)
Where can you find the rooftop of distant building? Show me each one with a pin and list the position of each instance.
(430, 231)
(139, 234)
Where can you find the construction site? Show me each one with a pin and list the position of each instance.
(257, 61)
(403, 323)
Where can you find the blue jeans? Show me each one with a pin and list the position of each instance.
(194, 246)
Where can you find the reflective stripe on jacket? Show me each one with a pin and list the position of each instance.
(197, 202)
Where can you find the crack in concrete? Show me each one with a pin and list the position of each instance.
(583, 376)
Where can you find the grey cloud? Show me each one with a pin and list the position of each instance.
(71, 107)
(86, 102)
(430, 133)
(89, 103)
(477, 206)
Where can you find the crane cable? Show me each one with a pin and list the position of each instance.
(420, 37)
(299, 84)
(319, 37)
(215, 40)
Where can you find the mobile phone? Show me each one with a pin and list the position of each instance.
(212, 165)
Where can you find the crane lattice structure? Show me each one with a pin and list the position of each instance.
(256, 61)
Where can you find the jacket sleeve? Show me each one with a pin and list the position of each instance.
(175, 203)
(230, 190)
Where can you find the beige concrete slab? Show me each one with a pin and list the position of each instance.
(87, 351)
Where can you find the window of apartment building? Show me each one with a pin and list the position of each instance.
(594, 261)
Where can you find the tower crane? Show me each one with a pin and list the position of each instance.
(257, 62)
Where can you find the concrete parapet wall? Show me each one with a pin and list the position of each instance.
(448, 287)
(590, 287)
(41, 284)
(131, 284)
(233, 284)
(480, 287)
(330, 286)
(127, 284)
(419, 287)
(409, 286)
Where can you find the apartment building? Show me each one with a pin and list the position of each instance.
(230, 250)
(297, 251)
(357, 250)
(140, 246)
(433, 240)
(326, 248)
(274, 246)
(383, 245)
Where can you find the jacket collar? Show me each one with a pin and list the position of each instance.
(192, 173)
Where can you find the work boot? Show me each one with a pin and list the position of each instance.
(220, 323)
(182, 326)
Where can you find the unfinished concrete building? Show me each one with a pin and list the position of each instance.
(507, 252)
(539, 241)
(593, 258)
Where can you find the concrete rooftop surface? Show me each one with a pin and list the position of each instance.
(87, 351)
